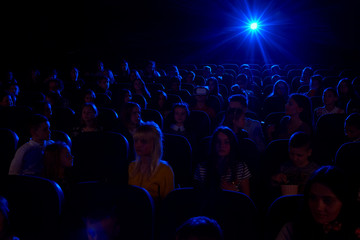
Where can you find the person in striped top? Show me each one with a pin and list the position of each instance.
(223, 167)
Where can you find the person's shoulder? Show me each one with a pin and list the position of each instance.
(286, 232)
(251, 121)
(164, 164)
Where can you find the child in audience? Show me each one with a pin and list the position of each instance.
(57, 158)
(345, 92)
(103, 86)
(139, 87)
(159, 101)
(89, 120)
(330, 99)
(223, 169)
(148, 170)
(28, 159)
(129, 120)
(5, 99)
(200, 228)
(179, 120)
(352, 127)
(201, 96)
(315, 86)
(298, 170)
(329, 210)
(253, 127)
(235, 119)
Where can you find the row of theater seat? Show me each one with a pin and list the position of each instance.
(39, 210)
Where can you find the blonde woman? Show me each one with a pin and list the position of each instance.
(148, 171)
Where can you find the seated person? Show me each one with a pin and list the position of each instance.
(223, 167)
(201, 95)
(28, 158)
(298, 170)
(57, 160)
(298, 117)
(253, 127)
(329, 209)
(235, 119)
(352, 127)
(148, 170)
(5, 99)
(179, 121)
(89, 121)
(200, 228)
(103, 86)
(330, 99)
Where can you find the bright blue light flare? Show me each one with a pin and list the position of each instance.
(254, 25)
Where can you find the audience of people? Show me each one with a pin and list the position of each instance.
(222, 165)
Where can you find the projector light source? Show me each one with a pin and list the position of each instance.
(253, 26)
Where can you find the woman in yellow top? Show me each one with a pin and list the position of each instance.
(148, 171)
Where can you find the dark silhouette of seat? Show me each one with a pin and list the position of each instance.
(215, 103)
(107, 118)
(272, 119)
(17, 119)
(330, 81)
(153, 87)
(154, 115)
(234, 211)
(200, 122)
(282, 210)
(329, 136)
(63, 119)
(347, 158)
(57, 135)
(293, 73)
(232, 66)
(178, 153)
(173, 98)
(35, 204)
(188, 86)
(139, 99)
(132, 204)
(100, 156)
(8, 146)
(102, 100)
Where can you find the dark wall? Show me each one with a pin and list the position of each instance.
(179, 31)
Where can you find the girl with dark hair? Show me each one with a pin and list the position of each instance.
(88, 121)
(298, 116)
(178, 121)
(129, 120)
(345, 92)
(223, 168)
(236, 119)
(57, 158)
(329, 210)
